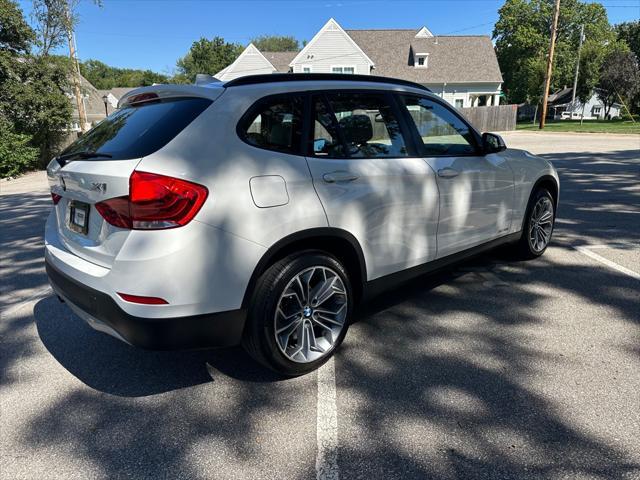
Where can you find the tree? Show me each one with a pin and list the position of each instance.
(51, 22)
(619, 78)
(276, 43)
(104, 77)
(207, 56)
(15, 35)
(16, 154)
(629, 32)
(33, 106)
(522, 38)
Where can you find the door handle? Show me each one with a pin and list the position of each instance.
(339, 176)
(448, 172)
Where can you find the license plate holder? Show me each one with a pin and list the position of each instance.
(79, 217)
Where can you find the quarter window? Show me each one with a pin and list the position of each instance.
(365, 125)
(276, 125)
(442, 132)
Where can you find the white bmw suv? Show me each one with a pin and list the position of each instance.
(262, 210)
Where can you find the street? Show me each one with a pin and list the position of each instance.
(494, 369)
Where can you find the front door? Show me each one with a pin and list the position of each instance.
(476, 190)
(371, 181)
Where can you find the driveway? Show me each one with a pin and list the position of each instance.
(495, 369)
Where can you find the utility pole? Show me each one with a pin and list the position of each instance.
(77, 82)
(575, 78)
(547, 77)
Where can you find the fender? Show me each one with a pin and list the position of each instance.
(310, 238)
(556, 195)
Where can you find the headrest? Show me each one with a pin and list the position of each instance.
(280, 135)
(357, 129)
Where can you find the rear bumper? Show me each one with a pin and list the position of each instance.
(198, 331)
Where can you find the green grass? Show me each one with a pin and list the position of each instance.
(588, 126)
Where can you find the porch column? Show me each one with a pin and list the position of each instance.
(496, 99)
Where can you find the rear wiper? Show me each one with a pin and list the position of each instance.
(83, 155)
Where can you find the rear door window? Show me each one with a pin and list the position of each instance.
(138, 131)
(367, 124)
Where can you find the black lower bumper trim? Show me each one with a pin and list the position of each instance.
(199, 331)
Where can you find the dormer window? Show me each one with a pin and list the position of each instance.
(421, 60)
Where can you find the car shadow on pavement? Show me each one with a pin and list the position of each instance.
(109, 365)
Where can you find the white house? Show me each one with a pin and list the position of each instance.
(561, 107)
(462, 69)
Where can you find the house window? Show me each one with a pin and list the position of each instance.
(459, 102)
(421, 60)
(350, 70)
(306, 69)
(597, 111)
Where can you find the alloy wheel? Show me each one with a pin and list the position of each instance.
(311, 314)
(541, 224)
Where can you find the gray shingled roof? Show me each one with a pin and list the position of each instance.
(452, 59)
(280, 60)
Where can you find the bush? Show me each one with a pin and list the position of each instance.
(16, 156)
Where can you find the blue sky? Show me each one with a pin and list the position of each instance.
(155, 33)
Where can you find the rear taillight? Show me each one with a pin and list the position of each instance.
(55, 197)
(154, 202)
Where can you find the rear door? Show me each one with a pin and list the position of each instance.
(476, 190)
(370, 180)
(98, 165)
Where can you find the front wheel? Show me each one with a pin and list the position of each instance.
(299, 313)
(538, 225)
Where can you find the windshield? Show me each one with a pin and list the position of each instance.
(136, 131)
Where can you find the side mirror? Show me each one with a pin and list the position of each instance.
(492, 143)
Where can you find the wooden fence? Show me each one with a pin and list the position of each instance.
(498, 118)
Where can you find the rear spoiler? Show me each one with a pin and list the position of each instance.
(161, 92)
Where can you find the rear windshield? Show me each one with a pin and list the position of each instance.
(137, 131)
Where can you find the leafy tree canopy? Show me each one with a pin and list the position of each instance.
(276, 43)
(629, 32)
(34, 108)
(15, 34)
(619, 77)
(522, 43)
(206, 56)
(104, 77)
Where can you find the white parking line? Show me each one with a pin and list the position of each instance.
(585, 250)
(327, 424)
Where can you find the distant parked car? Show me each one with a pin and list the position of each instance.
(262, 210)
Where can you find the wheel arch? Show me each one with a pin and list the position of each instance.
(551, 184)
(337, 242)
(548, 182)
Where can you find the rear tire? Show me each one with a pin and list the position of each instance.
(538, 225)
(289, 327)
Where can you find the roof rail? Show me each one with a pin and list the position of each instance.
(301, 77)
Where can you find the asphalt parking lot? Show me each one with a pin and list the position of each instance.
(495, 369)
